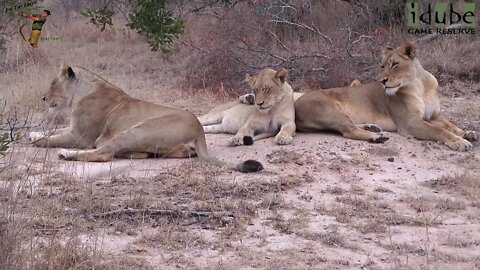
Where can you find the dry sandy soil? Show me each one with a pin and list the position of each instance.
(324, 202)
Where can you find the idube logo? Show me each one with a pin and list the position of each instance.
(439, 17)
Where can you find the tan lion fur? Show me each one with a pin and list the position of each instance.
(231, 116)
(105, 118)
(405, 100)
(273, 114)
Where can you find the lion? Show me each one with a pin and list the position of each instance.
(405, 99)
(115, 124)
(230, 117)
(272, 115)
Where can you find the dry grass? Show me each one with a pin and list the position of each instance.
(442, 59)
(372, 227)
(173, 237)
(22, 249)
(378, 215)
(298, 222)
(282, 259)
(434, 204)
(466, 185)
(382, 190)
(61, 203)
(283, 156)
(336, 190)
(460, 241)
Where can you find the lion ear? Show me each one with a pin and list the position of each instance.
(407, 49)
(386, 52)
(70, 73)
(250, 80)
(281, 74)
(66, 72)
(62, 70)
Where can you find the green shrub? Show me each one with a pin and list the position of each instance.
(99, 16)
(4, 142)
(154, 21)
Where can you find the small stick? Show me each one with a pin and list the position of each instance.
(163, 212)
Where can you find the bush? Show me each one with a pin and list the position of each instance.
(319, 51)
(4, 142)
(154, 21)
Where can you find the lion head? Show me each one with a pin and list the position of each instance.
(269, 87)
(61, 89)
(398, 67)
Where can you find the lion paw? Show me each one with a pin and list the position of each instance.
(236, 141)
(247, 140)
(64, 154)
(470, 136)
(35, 136)
(380, 138)
(248, 99)
(372, 128)
(283, 139)
(460, 145)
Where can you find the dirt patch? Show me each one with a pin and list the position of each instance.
(324, 201)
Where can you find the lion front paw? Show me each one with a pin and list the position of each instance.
(35, 136)
(283, 139)
(459, 145)
(65, 154)
(372, 128)
(380, 137)
(248, 99)
(470, 136)
(235, 141)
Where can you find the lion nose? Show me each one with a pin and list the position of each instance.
(260, 104)
(384, 81)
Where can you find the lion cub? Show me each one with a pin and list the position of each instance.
(272, 115)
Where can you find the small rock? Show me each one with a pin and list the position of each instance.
(391, 159)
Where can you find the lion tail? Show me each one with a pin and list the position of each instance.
(245, 167)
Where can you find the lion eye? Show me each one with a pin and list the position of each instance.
(382, 66)
(394, 65)
(266, 90)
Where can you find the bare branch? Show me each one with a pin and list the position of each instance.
(303, 26)
(163, 212)
(280, 42)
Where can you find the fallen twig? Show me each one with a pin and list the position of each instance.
(163, 212)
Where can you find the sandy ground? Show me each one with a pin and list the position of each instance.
(331, 220)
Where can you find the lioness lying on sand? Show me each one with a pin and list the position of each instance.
(273, 114)
(405, 100)
(117, 125)
(231, 116)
